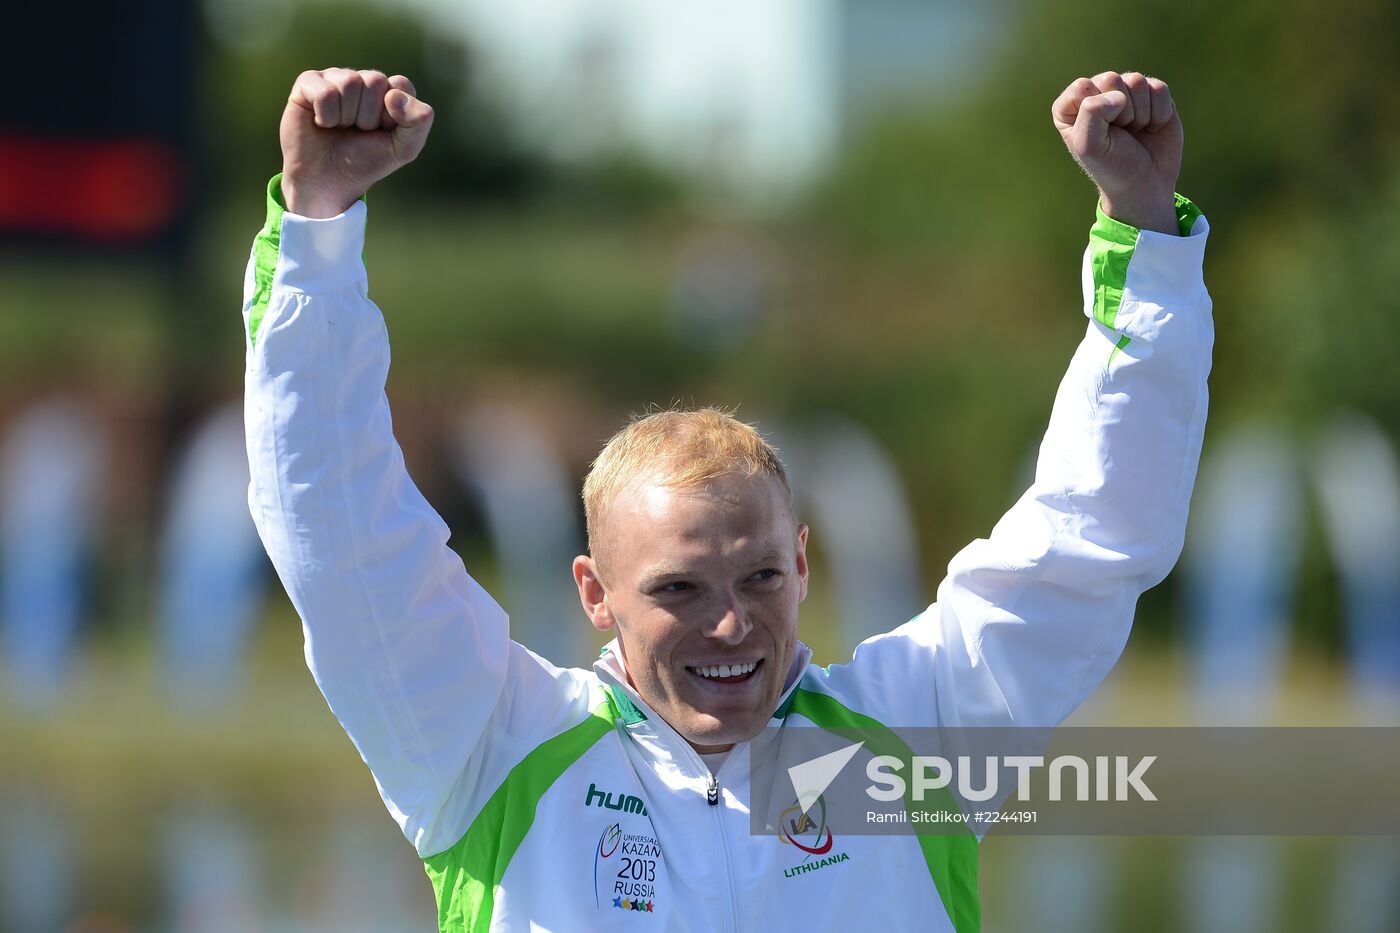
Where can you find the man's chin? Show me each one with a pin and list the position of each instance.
(723, 715)
(710, 731)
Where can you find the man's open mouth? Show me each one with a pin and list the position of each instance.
(726, 673)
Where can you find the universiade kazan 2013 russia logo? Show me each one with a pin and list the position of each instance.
(632, 877)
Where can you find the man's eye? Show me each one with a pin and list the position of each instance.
(676, 586)
(767, 573)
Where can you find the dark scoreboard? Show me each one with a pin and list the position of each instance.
(96, 129)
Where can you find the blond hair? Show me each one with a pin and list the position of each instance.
(677, 448)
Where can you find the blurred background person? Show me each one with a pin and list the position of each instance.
(51, 461)
(212, 570)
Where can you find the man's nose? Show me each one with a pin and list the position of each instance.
(732, 626)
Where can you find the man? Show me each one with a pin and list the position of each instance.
(543, 798)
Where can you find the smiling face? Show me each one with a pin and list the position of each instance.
(702, 584)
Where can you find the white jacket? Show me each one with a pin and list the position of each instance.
(545, 798)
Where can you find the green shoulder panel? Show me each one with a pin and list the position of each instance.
(466, 876)
(627, 711)
(951, 859)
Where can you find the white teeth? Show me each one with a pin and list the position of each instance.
(725, 670)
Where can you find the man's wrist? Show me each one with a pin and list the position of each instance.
(315, 201)
(1158, 215)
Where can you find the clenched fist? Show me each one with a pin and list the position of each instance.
(342, 131)
(1124, 131)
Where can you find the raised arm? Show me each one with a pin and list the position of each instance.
(412, 655)
(1029, 620)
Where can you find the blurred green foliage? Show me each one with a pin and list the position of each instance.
(245, 89)
(929, 286)
(1292, 125)
(1291, 148)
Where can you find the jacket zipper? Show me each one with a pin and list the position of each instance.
(712, 797)
(712, 803)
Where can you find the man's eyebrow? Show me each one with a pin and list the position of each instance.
(771, 556)
(653, 575)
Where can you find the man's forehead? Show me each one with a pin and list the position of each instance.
(726, 498)
(742, 504)
(651, 523)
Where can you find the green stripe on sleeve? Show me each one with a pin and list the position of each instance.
(1123, 341)
(1111, 244)
(1186, 214)
(951, 859)
(265, 252)
(466, 876)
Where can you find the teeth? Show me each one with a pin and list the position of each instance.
(725, 670)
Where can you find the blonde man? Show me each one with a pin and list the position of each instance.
(545, 798)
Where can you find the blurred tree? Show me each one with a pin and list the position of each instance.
(259, 48)
(250, 73)
(967, 209)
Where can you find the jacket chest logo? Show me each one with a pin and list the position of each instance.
(626, 803)
(627, 870)
(807, 831)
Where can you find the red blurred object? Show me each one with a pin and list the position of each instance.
(103, 190)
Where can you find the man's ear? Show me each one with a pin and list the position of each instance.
(592, 594)
(801, 561)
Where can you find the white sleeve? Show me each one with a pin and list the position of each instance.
(1031, 619)
(412, 655)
